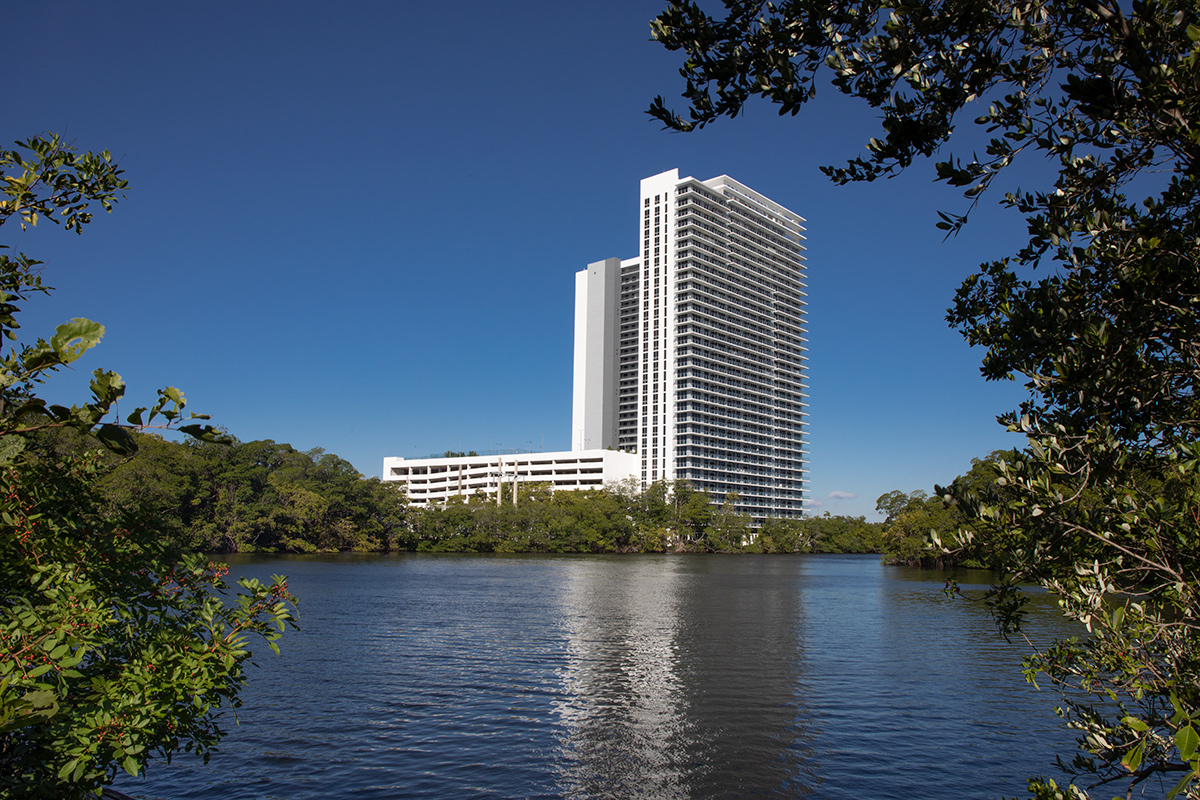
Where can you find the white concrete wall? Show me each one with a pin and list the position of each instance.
(658, 298)
(594, 383)
(435, 480)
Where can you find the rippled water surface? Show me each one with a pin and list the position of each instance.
(627, 677)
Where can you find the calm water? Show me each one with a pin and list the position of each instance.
(627, 677)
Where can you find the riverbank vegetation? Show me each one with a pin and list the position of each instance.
(666, 517)
(266, 497)
(914, 522)
(260, 496)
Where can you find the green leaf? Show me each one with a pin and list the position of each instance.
(107, 386)
(72, 339)
(116, 439)
(1180, 712)
(1133, 759)
(39, 356)
(204, 433)
(1187, 741)
(1181, 786)
(10, 448)
(1135, 723)
(30, 708)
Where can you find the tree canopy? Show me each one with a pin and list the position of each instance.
(1096, 310)
(114, 648)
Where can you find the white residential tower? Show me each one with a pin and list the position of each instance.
(692, 355)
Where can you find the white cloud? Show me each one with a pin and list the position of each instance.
(810, 503)
(837, 495)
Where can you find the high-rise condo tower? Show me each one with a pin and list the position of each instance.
(692, 355)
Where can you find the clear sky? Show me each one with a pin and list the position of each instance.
(356, 225)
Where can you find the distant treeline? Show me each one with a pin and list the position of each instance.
(246, 496)
(268, 497)
(666, 517)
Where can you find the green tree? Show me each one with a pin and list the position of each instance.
(907, 530)
(728, 529)
(840, 534)
(778, 535)
(113, 649)
(892, 504)
(916, 521)
(156, 488)
(691, 513)
(590, 521)
(1096, 310)
(255, 496)
(445, 528)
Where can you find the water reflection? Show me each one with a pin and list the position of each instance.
(745, 678)
(621, 704)
(681, 679)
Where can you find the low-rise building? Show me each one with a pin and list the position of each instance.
(436, 480)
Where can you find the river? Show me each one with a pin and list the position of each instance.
(460, 676)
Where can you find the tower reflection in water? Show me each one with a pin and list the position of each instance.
(682, 680)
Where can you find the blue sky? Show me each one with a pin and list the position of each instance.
(355, 226)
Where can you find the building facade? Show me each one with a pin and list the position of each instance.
(437, 479)
(692, 354)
